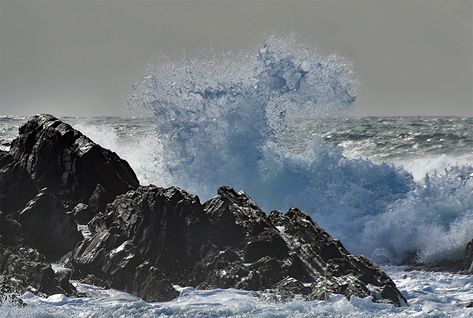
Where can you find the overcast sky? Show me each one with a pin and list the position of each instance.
(81, 57)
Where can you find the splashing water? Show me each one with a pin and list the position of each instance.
(246, 122)
(220, 120)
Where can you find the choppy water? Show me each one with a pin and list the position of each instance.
(429, 295)
(275, 124)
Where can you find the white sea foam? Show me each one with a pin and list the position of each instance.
(430, 294)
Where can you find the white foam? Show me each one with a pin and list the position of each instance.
(430, 294)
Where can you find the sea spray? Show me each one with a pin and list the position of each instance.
(246, 122)
(218, 119)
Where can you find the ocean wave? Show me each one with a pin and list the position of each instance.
(246, 122)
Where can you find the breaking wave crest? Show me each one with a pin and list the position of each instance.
(245, 121)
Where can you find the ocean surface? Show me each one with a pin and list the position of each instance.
(277, 125)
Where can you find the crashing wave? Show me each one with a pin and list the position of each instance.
(245, 121)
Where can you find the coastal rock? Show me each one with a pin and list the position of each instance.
(23, 268)
(82, 214)
(145, 239)
(47, 227)
(69, 164)
(159, 237)
(342, 272)
(468, 259)
(16, 185)
(50, 169)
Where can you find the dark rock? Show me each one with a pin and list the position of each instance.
(289, 286)
(16, 185)
(82, 214)
(71, 169)
(151, 238)
(146, 229)
(343, 273)
(69, 164)
(455, 265)
(411, 258)
(272, 271)
(268, 243)
(22, 268)
(157, 287)
(10, 231)
(25, 269)
(145, 239)
(468, 259)
(48, 227)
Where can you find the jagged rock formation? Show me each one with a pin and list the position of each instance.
(69, 164)
(165, 236)
(49, 169)
(145, 239)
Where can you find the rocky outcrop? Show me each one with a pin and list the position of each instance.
(72, 167)
(49, 170)
(144, 240)
(151, 238)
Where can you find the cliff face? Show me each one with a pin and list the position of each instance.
(146, 239)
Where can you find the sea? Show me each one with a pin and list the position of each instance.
(279, 125)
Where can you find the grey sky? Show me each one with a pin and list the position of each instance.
(81, 57)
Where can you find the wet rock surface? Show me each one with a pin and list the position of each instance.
(23, 268)
(166, 236)
(69, 164)
(48, 227)
(16, 185)
(145, 239)
(468, 259)
(49, 169)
